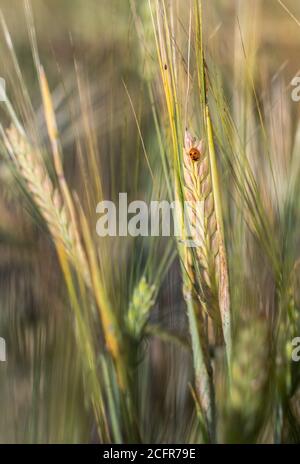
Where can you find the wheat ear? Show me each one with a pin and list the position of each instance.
(30, 168)
(201, 220)
(197, 256)
(208, 261)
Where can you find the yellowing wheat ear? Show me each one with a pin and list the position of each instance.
(30, 168)
(207, 261)
(202, 222)
(206, 288)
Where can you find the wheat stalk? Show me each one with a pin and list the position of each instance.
(249, 389)
(27, 161)
(48, 199)
(208, 263)
(199, 258)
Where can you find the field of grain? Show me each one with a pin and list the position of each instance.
(143, 337)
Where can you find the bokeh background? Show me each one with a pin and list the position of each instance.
(41, 386)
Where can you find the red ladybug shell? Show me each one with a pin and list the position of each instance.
(194, 154)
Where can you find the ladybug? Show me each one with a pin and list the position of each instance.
(194, 154)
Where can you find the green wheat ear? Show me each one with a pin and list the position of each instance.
(247, 403)
(139, 307)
